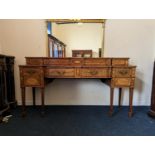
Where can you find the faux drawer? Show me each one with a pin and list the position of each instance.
(123, 82)
(96, 72)
(32, 76)
(60, 72)
(97, 62)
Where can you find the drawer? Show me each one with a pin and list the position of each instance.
(123, 82)
(97, 62)
(34, 61)
(120, 61)
(96, 72)
(32, 76)
(59, 72)
(77, 62)
(123, 72)
(57, 61)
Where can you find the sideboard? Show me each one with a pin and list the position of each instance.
(116, 72)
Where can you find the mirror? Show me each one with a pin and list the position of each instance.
(75, 37)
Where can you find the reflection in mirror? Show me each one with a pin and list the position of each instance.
(75, 38)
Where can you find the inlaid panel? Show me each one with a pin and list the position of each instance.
(32, 76)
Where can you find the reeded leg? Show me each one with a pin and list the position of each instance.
(34, 96)
(42, 102)
(130, 102)
(120, 96)
(111, 101)
(23, 102)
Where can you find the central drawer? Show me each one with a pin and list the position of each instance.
(96, 72)
(59, 72)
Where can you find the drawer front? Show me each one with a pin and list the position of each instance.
(97, 62)
(123, 82)
(77, 62)
(55, 62)
(35, 61)
(32, 76)
(123, 72)
(60, 73)
(120, 62)
(96, 72)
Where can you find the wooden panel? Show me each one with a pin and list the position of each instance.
(123, 82)
(57, 62)
(32, 76)
(96, 72)
(34, 61)
(59, 72)
(97, 62)
(120, 61)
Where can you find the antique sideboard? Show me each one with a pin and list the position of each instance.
(116, 72)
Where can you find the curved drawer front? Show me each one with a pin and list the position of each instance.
(59, 72)
(123, 82)
(96, 72)
(123, 72)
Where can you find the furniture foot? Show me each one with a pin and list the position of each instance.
(130, 102)
(111, 101)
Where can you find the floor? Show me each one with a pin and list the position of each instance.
(79, 121)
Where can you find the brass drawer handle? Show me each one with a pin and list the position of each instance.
(93, 72)
(123, 72)
(61, 73)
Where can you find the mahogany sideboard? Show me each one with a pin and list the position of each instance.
(116, 72)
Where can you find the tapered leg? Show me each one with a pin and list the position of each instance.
(120, 96)
(23, 102)
(42, 102)
(111, 101)
(130, 102)
(34, 96)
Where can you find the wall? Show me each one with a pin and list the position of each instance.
(22, 38)
(134, 39)
(85, 36)
(128, 38)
